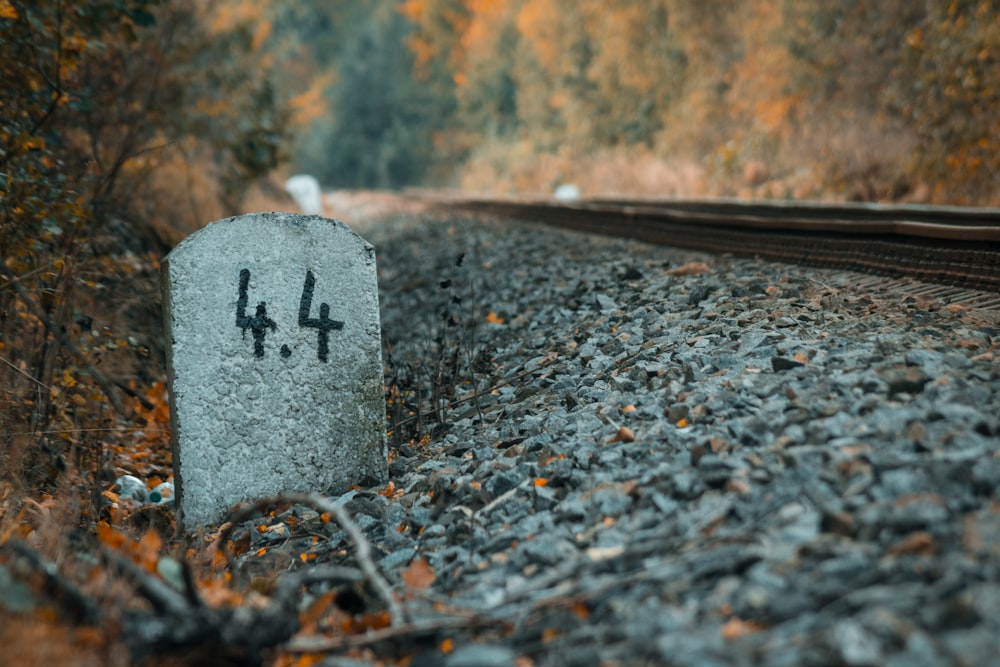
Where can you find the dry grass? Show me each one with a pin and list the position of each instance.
(856, 158)
(503, 168)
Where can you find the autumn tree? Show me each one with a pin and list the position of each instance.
(485, 84)
(379, 133)
(374, 113)
(858, 99)
(98, 98)
(946, 86)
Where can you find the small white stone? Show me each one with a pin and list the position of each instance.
(131, 488)
(567, 192)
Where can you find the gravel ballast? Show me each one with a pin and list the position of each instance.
(629, 455)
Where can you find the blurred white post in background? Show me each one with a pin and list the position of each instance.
(567, 192)
(304, 189)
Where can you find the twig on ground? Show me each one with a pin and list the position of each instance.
(165, 600)
(476, 394)
(503, 497)
(363, 553)
(134, 394)
(323, 644)
(69, 596)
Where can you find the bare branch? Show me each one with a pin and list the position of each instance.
(321, 504)
(102, 380)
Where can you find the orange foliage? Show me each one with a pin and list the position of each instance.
(217, 593)
(622, 33)
(222, 17)
(441, 23)
(485, 16)
(145, 552)
(262, 31)
(826, 98)
(414, 10)
(542, 24)
(761, 79)
(310, 105)
(7, 10)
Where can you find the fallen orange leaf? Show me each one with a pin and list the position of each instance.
(736, 627)
(689, 269)
(920, 543)
(419, 575)
(216, 593)
(110, 537)
(375, 620)
(308, 660)
(148, 550)
(493, 318)
(624, 434)
(737, 485)
(309, 619)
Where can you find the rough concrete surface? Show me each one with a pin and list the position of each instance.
(274, 362)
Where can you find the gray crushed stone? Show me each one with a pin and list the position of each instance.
(809, 475)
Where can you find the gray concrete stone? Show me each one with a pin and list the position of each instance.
(275, 362)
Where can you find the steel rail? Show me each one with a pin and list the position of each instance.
(949, 245)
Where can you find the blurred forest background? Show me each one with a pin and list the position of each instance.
(856, 99)
(126, 124)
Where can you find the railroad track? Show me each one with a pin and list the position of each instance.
(949, 246)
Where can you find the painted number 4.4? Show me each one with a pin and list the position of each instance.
(259, 323)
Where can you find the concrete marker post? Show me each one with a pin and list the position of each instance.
(274, 361)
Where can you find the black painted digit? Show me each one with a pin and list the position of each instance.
(259, 323)
(323, 323)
